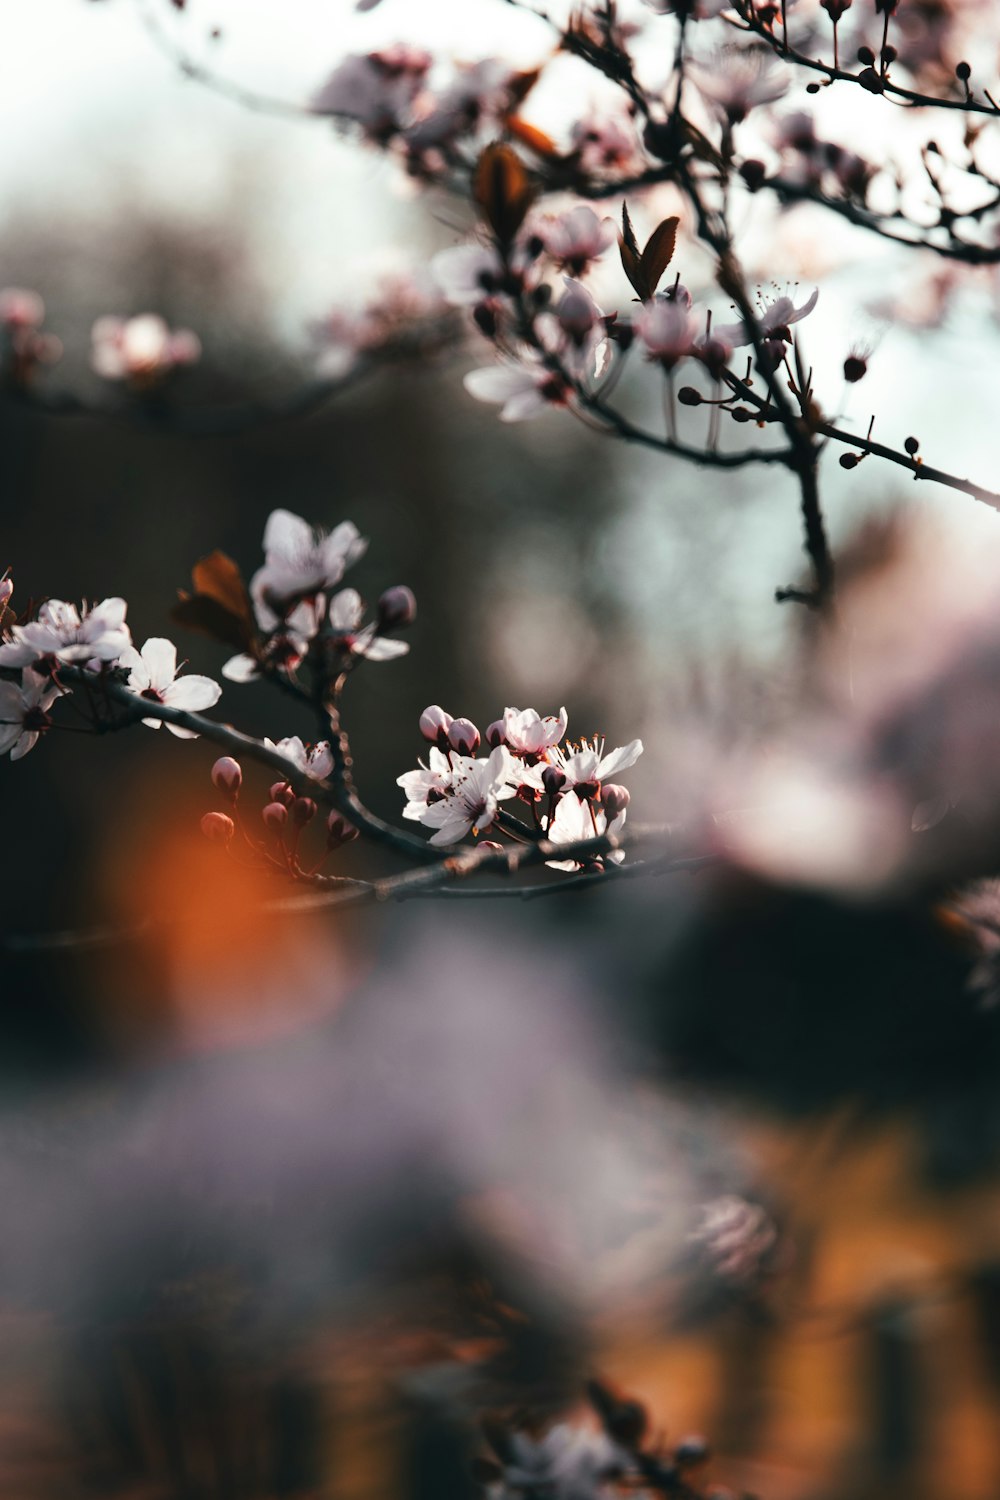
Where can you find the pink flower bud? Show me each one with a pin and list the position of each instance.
(396, 607)
(227, 776)
(553, 780)
(275, 816)
(282, 792)
(434, 726)
(6, 589)
(463, 736)
(615, 799)
(496, 733)
(339, 831)
(303, 811)
(217, 827)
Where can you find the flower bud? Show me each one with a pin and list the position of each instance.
(854, 368)
(496, 733)
(218, 827)
(615, 798)
(275, 816)
(339, 831)
(227, 776)
(396, 607)
(753, 173)
(282, 792)
(553, 780)
(303, 810)
(463, 736)
(491, 845)
(434, 726)
(6, 590)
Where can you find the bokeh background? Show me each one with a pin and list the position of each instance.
(290, 1198)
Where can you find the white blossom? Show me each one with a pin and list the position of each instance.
(472, 802)
(577, 818)
(427, 782)
(588, 764)
(565, 1463)
(315, 761)
(345, 616)
(522, 391)
(527, 733)
(70, 635)
(153, 675)
(576, 238)
(299, 563)
(140, 349)
(24, 712)
(774, 319)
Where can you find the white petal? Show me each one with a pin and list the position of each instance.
(619, 760)
(523, 407)
(379, 649)
(193, 693)
(346, 610)
(241, 669)
(286, 535)
(160, 657)
(27, 742)
(9, 735)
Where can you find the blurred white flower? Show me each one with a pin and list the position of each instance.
(345, 616)
(70, 635)
(140, 350)
(24, 712)
(298, 563)
(522, 391)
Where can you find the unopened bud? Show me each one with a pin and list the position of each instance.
(854, 368)
(275, 816)
(911, 445)
(495, 734)
(218, 827)
(616, 799)
(463, 736)
(849, 460)
(553, 780)
(753, 173)
(485, 319)
(303, 810)
(6, 590)
(396, 607)
(227, 776)
(339, 831)
(866, 55)
(963, 71)
(282, 792)
(434, 726)
(688, 396)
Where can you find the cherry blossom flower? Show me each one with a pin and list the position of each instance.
(471, 274)
(667, 330)
(527, 734)
(576, 330)
(153, 675)
(298, 564)
(576, 238)
(472, 801)
(476, 100)
(345, 616)
(140, 350)
(739, 80)
(608, 145)
(428, 783)
(24, 712)
(577, 818)
(315, 761)
(376, 91)
(774, 319)
(588, 766)
(69, 635)
(523, 391)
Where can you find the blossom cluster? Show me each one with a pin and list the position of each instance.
(95, 639)
(566, 786)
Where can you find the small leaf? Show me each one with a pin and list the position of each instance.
(502, 190)
(628, 233)
(659, 252)
(529, 135)
(220, 606)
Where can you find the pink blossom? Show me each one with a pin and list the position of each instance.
(69, 635)
(299, 563)
(345, 617)
(522, 391)
(140, 350)
(576, 238)
(24, 712)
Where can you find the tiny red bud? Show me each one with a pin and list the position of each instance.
(218, 827)
(963, 71)
(6, 590)
(849, 461)
(339, 831)
(866, 55)
(463, 736)
(396, 607)
(303, 811)
(227, 776)
(553, 780)
(282, 792)
(616, 799)
(495, 735)
(275, 816)
(688, 396)
(434, 726)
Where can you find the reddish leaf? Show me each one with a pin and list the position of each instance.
(502, 190)
(529, 135)
(658, 253)
(220, 606)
